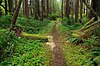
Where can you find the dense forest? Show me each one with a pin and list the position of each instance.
(49, 32)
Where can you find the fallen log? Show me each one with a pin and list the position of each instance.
(34, 36)
(92, 25)
(84, 32)
(80, 35)
(88, 23)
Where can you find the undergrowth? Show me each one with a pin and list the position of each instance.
(83, 52)
(31, 25)
(17, 51)
(22, 52)
(5, 21)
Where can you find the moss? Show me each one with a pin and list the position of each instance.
(34, 36)
(2, 11)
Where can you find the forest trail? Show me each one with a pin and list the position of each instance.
(55, 42)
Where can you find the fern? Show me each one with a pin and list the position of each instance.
(96, 51)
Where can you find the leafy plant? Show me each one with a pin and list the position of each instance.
(52, 16)
(65, 21)
(7, 44)
(30, 25)
(5, 21)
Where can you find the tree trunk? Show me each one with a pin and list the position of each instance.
(15, 15)
(31, 8)
(47, 7)
(42, 5)
(96, 6)
(26, 9)
(76, 10)
(23, 7)
(50, 6)
(67, 10)
(62, 8)
(37, 9)
(11, 8)
(6, 7)
(87, 10)
(16, 3)
(72, 12)
(81, 8)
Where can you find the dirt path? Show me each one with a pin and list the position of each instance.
(55, 42)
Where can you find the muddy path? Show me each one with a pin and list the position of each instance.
(57, 56)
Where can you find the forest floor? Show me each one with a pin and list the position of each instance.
(58, 51)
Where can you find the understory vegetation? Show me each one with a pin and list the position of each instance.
(21, 51)
(81, 51)
(49, 32)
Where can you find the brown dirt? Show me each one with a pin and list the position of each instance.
(57, 56)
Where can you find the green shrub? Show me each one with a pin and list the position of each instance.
(5, 21)
(93, 45)
(7, 44)
(65, 21)
(27, 52)
(30, 25)
(52, 16)
(96, 32)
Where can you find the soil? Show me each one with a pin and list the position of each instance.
(57, 56)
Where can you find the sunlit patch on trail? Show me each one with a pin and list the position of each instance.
(51, 43)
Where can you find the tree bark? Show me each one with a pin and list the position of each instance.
(96, 6)
(47, 7)
(67, 9)
(42, 6)
(72, 12)
(50, 10)
(15, 15)
(37, 9)
(31, 8)
(26, 9)
(81, 8)
(76, 10)
(6, 7)
(87, 10)
(62, 8)
(11, 8)
(16, 3)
